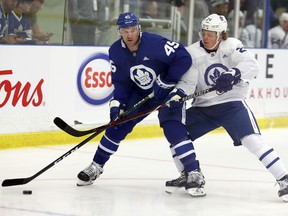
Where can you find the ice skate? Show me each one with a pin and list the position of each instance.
(283, 189)
(175, 184)
(195, 184)
(89, 174)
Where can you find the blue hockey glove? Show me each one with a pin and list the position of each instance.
(227, 79)
(114, 110)
(161, 88)
(173, 99)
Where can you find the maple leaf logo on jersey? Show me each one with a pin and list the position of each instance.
(213, 72)
(143, 76)
(216, 73)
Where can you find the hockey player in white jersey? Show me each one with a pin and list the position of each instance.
(225, 64)
(278, 35)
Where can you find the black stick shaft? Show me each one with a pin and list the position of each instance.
(21, 181)
(68, 129)
(77, 133)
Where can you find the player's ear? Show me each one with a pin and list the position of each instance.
(118, 31)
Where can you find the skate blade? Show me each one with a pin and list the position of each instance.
(285, 198)
(171, 190)
(84, 183)
(196, 192)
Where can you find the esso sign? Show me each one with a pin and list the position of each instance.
(94, 79)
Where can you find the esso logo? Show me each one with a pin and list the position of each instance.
(94, 79)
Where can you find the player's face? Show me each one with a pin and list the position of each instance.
(9, 4)
(209, 39)
(35, 7)
(26, 6)
(285, 25)
(130, 36)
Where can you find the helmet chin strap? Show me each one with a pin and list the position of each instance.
(217, 42)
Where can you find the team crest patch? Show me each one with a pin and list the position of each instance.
(213, 72)
(143, 76)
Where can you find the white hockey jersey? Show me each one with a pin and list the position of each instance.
(277, 38)
(255, 36)
(207, 67)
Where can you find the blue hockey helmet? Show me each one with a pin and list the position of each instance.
(127, 19)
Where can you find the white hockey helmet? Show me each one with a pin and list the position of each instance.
(215, 22)
(283, 17)
(258, 13)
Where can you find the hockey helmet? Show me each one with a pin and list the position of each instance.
(127, 19)
(283, 17)
(214, 22)
(258, 13)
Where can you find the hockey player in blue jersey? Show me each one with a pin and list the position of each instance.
(5, 7)
(224, 63)
(19, 24)
(143, 63)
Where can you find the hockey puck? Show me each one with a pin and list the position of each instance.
(27, 192)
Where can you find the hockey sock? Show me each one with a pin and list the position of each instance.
(177, 162)
(182, 145)
(186, 154)
(268, 157)
(106, 148)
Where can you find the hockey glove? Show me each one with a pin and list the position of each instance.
(227, 79)
(161, 88)
(114, 110)
(173, 99)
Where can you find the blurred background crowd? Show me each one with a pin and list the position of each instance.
(257, 23)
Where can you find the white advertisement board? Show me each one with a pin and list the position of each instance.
(38, 83)
(268, 96)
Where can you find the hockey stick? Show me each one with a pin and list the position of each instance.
(98, 130)
(76, 133)
(68, 129)
(21, 181)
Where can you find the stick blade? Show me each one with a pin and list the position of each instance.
(67, 128)
(14, 182)
(60, 123)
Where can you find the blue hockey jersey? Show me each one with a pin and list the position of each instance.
(19, 26)
(137, 71)
(3, 22)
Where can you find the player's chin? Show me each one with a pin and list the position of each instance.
(208, 46)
